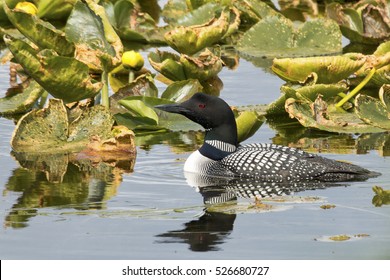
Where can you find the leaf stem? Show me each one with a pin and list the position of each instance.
(356, 89)
(105, 100)
(131, 76)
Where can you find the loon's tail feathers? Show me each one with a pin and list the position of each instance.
(337, 171)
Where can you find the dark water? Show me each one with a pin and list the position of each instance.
(100, 211)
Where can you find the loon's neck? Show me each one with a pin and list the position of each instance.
(214, 147)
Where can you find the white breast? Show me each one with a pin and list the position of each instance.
(197, 163)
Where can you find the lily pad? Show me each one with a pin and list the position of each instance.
(48, 130)
(317, 115)
(305, 93)
(251, 11)
(139, 109)
(329, 69)
(198, 16)
(136, 26)
(63, 77)
(248, 122)
(191, 39)
(40, 32)
(97, 43)
(381, 197)
(175, 68)
(21, 102)
(182, 90)
(367, 24)
(202, 67)
(54, 9)
(275, 36)
(373, 111)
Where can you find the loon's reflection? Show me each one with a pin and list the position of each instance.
(213, 227)
(219, 190)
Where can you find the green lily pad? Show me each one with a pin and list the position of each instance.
(275, 36)
(40, 32)
(54, 9)
(139, 109)
(248, 122)
(191, 39)
(97, 43)
(305, 93)
(329, 69)
(49, 131)
(202, 67)
(133, 25)
(367, 24)
(63, 77)
(182, 90)
(198, 16)
(251, 11)
(382, 49)
(373, 111)
(177, 68)
(317, 115)
(167, 64)
(21, 102)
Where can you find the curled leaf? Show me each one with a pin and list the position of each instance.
(247, 124)
(373, 111)
(202, 67)
(21, 102)
(329, 69)
(63, 77)
(42, 33)
(97, 43)
(318, 115)
(191, 39)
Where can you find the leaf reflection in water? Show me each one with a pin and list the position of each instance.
(62, 181)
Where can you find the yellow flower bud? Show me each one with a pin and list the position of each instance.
(27, 7)
(132, 60)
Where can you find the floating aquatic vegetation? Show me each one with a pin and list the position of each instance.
(191, 39)
(373, 111)
(40, 32)
(381, 197)
(63, 77)
(96, 42)
(21, 102)
(251, 11)
(276, 36)
(248, 122)
(342, 237)
(307, 93)
(366, 23)
(176, 68)
(134, 25)
(327, 69)
(53, 130)
(321, 116)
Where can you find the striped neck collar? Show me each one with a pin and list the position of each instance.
(216, 150)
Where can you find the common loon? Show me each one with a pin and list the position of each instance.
(222, 156)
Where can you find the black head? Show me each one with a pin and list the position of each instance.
(211, 112)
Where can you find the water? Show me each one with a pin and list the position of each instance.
(152, 213)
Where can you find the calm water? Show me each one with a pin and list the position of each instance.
(104, 212)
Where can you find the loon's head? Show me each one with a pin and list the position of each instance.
(211, 112)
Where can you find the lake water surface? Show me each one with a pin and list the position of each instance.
(153, 213)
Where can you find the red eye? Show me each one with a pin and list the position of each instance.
(202, 106)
